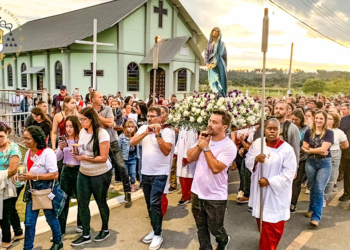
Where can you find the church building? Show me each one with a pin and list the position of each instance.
(50, 56)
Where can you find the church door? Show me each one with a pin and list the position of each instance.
(39, 81)
(160, 82)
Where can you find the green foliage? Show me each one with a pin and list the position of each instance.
(312, 85)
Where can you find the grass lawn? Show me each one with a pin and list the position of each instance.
(21, 206)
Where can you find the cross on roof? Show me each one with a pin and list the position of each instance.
(91, 74)
(161, 12)
(94, 43)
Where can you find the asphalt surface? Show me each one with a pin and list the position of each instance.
(129, 226)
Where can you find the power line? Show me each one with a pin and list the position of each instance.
(324, 17)
(301, 21)
(313, 18)
(331, 12)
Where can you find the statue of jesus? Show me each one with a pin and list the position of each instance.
(216, 61)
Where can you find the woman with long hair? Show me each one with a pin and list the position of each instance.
(10, 156)
(130, 153)
(70, 168)
(299, 120)
(309, 117)
(317, 143)
(110, 100)
(94, 175)
(69, 108)
(42, 120)
(41, 172)
(340, 142)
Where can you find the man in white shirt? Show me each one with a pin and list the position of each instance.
(214, 153)
(156, 147)
(15, 103)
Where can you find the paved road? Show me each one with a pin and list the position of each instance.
(129, 226)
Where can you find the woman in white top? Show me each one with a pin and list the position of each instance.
(41, 172)
(340, 142)
(94, 175)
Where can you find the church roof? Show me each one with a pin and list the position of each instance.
(169, 47)
(62, 30)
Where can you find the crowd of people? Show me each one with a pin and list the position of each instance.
(74, 152)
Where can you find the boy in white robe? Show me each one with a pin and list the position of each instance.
(279, 168)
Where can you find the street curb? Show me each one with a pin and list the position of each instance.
(43, 227)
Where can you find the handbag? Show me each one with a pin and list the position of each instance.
(40, 198)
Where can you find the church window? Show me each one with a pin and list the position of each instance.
(24, 76)
(181, 80)
(9, 76)
(133, 77)
(58, 74)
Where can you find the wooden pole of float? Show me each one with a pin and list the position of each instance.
(264, 49)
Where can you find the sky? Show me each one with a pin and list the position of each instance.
(241, 25)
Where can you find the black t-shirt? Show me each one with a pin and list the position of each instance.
(141, 121)
(132, 150)
(317, 141)
(29, 122)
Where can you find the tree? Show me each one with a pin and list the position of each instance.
(314, 86)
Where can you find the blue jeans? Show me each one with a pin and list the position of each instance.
(318, 172)
(130, 165)
(153, 188)
(30, 223)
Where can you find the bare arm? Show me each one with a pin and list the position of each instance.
(103, 157)
(344, 144)
(54, 131)
(106, 122)
(323, 150)
(215, 166)
(12, 170)
(165, 147)
(137, 138)
(44, 177)
(193, 154)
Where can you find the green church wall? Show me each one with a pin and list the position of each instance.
(166, 31)
(107, 36)
(134, 31)
(106, 84)
(181, 29)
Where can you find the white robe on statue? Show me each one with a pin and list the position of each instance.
(185, 141)
(279, 169)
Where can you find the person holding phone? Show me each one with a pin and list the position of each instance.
(70, 169)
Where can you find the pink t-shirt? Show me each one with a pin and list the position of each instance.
(209, 186)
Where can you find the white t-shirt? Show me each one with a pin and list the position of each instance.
(16, 100)
(154, 162)
(44, 163)
(87, 149)
(339, 136)
(209, 186)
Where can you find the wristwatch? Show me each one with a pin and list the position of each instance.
(206, 150)
(159, 135)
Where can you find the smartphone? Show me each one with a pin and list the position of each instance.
(62, 138)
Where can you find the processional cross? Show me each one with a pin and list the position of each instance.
(94, 43)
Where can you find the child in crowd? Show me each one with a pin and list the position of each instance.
(130, 153)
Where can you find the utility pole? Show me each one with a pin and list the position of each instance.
(290, 71)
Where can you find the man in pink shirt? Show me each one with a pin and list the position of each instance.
(214, 154)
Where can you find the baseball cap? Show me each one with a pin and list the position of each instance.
(63, 87)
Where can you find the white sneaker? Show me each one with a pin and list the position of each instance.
(307, 191)
(149, 237)
(240, 194)
(74, 200)
(324, 203)
(156, 242)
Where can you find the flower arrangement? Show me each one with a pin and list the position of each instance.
(194, 111)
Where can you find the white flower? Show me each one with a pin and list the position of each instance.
(221, 99)
(200, 119)
(177, 105)
(235, 112)
(195, 104)
(212, 96)
(203, 113)
(193, 109)
(215, 107)
(198, 100)
(190, 98)
(186, 113)
(170, 116)
(222, 108)
(192, 119)
(198, 111)
(174, 119)
(209, 106)
(202, 104)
